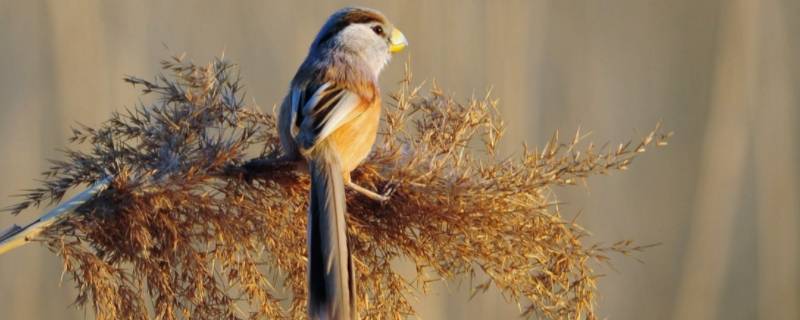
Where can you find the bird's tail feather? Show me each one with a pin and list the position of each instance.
(331, 284)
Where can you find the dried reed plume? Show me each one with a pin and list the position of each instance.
(188, 228)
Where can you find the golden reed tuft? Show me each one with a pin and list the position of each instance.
(190, 229)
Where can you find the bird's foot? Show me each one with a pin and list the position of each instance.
(391, 188)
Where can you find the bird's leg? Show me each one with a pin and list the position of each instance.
(369, 193)
(366, 192)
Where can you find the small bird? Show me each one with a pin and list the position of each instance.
(329, 121)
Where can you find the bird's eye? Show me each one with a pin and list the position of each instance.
(378, 30)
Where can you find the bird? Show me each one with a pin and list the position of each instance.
(328, 123)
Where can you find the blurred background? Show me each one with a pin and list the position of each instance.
(721, 199)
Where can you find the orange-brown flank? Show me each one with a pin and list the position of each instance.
(353, 140)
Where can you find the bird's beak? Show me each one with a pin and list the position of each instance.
(397, 41)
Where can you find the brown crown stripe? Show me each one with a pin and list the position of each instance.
(349, 17)
(363, 16)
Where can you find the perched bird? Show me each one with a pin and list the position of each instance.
(329, 119)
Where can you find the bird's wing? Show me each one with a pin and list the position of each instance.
(321, 113)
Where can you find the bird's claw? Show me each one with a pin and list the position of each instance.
(390, 188)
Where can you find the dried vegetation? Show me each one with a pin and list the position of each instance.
(191, 229)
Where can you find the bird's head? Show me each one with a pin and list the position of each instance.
(360, 32)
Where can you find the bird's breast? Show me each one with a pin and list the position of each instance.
(354, 139)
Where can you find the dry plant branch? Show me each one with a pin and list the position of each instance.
(189, 229)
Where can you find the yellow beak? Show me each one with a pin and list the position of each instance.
(397, 41)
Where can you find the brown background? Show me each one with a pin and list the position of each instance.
(720, 73)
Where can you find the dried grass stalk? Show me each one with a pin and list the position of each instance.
(189, 229)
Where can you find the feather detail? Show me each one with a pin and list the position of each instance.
(295, 124)
(331, 280)
(322, 113)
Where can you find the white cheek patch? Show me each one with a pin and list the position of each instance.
(372, 48)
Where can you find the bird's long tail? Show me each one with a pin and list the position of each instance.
(331, 285)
